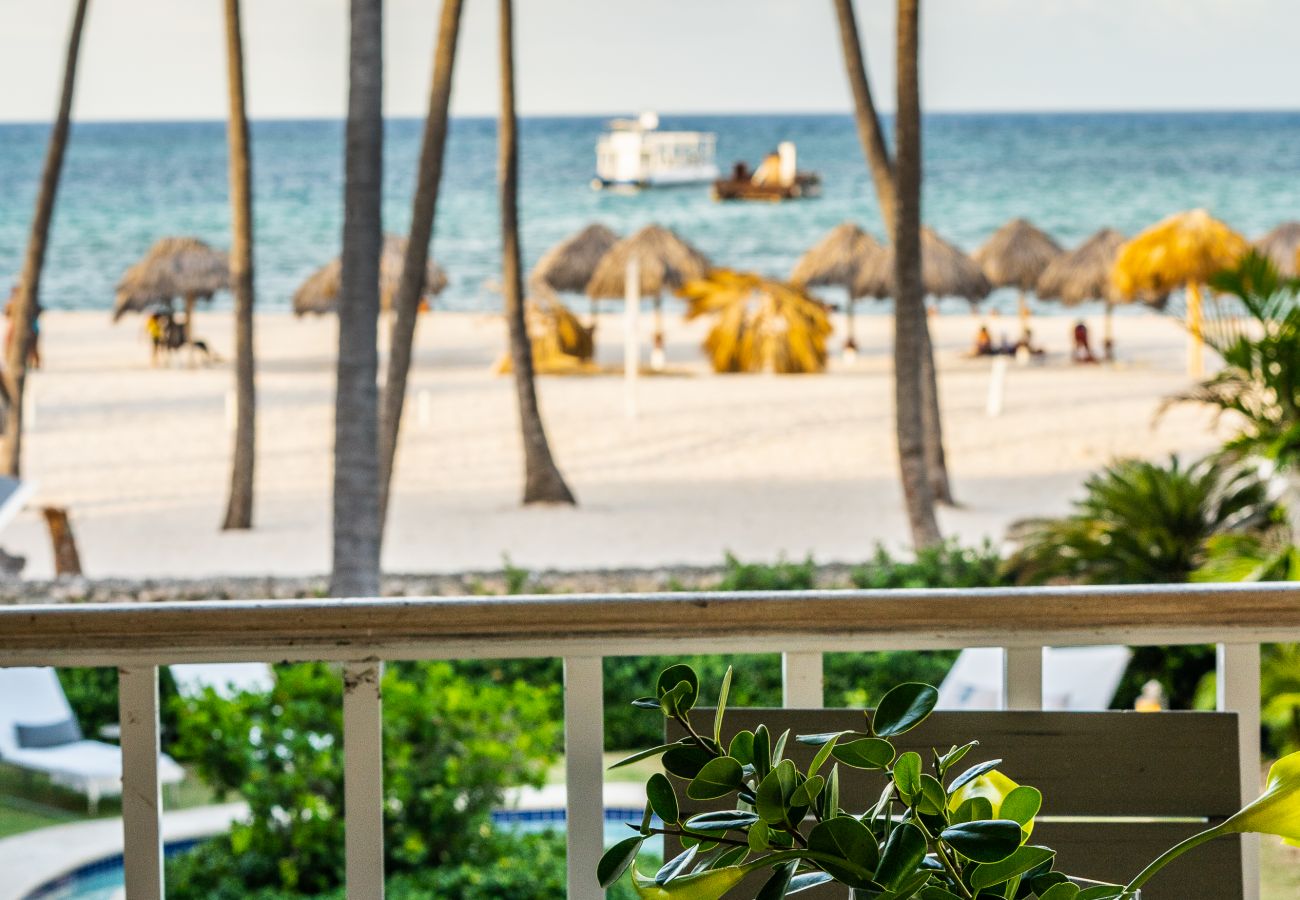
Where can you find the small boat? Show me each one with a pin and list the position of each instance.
(635, 154)
(777, 178)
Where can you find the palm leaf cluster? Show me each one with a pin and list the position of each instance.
(1140, 522)
(1256, 330)
(762, 325)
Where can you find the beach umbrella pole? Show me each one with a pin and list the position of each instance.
(657, 349)
(631, 350)
(1024, 315)
(1108, 332)
(850, 345)
(1195, 319)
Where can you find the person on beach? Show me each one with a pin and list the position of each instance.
(983, 343)
(1082, 352)
(155, 328)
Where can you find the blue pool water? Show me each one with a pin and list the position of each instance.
(127, 184)
(104, 880)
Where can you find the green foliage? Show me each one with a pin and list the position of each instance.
(451, 747)
(1259, 384)
(914, 840)
(1141, 523)
(780, 576)
(92, 693)
(946, 565)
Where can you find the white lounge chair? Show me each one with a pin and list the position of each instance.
(39, 733)
(227, 679)
(1074, 678)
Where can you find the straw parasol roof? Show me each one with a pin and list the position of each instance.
(568, 266)
(1083, 273)
(1184, 249)
(667, 262)
(319, 294)
(945, 272)
(173, 267)
(1016, 255)
(837, 258)
(1282, 246)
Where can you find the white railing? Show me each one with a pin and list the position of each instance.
(362, 634)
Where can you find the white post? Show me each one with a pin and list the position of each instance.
(584, 763)
(631, 343)
(363, 780)
(142, 849)
(1022, 678)
(801, 681)
(997, 387)
(1238, 691)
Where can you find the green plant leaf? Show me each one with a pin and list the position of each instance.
(1021, 805)
(1100, 892)
(616, 859)
(721, 820)
(645, 754)
(845, 838)
(663, 798)
(972, 773)
(807, 792)
(972, 810)
(817, 740)
(718, 778)
(904, 849)
(903, 708)
(759, 837)
(646, 703)
(823, 753)
(934, 892)
(762, 752)
(676, 866)
(865, 753)
(672, 676)
(955, 755)
(742, 748)
(987, 841)
(676, 700)
(986, 875)
(807, 880)
(778, 751)
(778, 885)
(933, 800)
(772, 800)
(686, 760)
(708, 885)
(1061, 891)
(907, 775)
(723, 692)
(732, 856)
(830, 799)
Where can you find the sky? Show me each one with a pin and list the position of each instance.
(164, 59)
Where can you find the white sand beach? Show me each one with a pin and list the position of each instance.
(758, 465)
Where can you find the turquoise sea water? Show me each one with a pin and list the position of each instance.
(128, 184)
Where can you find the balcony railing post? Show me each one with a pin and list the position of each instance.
(584, 765)
(1238, 690)
(802, 681)
(142, 851)
(1022, 678)
(363, 780)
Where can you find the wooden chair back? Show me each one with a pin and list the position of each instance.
(1119, 788)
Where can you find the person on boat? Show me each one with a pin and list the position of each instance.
(1082, 352)
(768, 171)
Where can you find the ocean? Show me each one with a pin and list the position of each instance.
(127, 184)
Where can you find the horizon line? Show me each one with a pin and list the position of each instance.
(803, 113)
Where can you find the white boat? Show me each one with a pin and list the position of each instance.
(634, 153)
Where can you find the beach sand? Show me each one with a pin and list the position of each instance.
(757, 465)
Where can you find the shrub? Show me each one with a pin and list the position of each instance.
(451, 747)
(947, 565)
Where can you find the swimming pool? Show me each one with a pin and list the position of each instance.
(104, 880)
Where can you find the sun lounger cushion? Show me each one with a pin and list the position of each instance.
(56, 734)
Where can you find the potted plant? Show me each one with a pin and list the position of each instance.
(940, 830)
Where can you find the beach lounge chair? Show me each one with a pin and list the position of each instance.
(227, 679)
(39, 733)
(1077, 679)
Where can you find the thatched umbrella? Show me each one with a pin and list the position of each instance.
(319, 293)
(173, 267)
(763, 325)
(1282, 246)
(568, 266)
(1083, 274)
(1015, 256)
(1181, 251)
(836, 261)
(945, 272)
(665, 262)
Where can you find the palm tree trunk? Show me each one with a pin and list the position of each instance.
(543, 482)
(356, 423)
(406, 302)
(239, 507)
(871, 136)
(26, 305)
(910, 331)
